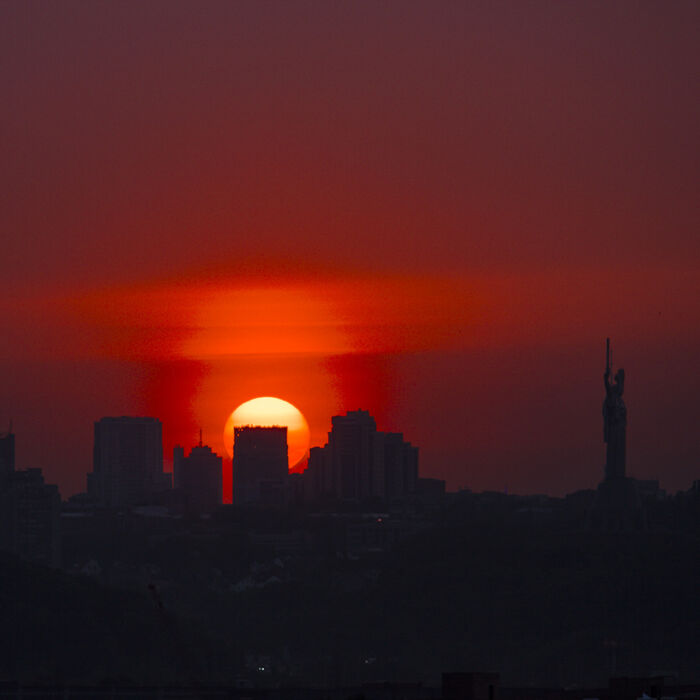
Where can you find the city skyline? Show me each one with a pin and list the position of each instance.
(122, 444)
(449, 250)
(170, 469)
(431, 213)
(359, 544)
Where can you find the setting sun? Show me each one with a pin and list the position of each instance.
(269, 411)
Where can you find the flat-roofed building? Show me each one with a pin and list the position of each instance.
(127, 467)
(7, 454)
(30, 517)
(361, 463)
(260, 465)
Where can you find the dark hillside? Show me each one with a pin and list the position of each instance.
(57, 627)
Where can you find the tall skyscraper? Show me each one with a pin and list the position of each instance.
(29, 517)
(127, 461)
(400, 467)
(260, 465)
(29, 509)
(356, 456)
(318, 476)
(7, 454)
(361, 463)
(178, 459)
(198, 476)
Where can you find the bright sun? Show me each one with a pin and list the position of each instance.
(267, 411)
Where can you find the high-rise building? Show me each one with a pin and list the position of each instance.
(400, 467)
(127, 466)
(29, 517)
(29, 509)
(318, 481)
(178, 458)
(361, 463)
(260, 465)
(355, 453)
(7, 454)
(199, 478)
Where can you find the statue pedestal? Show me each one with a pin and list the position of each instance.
(616, 507)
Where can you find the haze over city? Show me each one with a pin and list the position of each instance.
(434, 212)
(349, 350)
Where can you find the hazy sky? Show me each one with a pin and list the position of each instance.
(435, 211)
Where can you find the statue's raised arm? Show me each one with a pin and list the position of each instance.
(620, 382)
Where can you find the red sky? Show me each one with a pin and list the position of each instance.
(434, 211)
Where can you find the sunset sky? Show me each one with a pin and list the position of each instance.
(435, 211)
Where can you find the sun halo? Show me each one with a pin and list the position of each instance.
(270, 411)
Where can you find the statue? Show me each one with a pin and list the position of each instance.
(614, 420)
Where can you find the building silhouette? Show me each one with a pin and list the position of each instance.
(29, 510)
(359, 462)
(127, 467)
(30, 520)
(7, 453)
(400, 467)
(355, 456)
(198, 477)
(178, 461)
(260, 465)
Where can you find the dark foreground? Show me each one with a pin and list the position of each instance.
(290, 600)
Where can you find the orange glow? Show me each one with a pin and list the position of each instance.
(339, 342)
(249, 320)
(269, 411)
